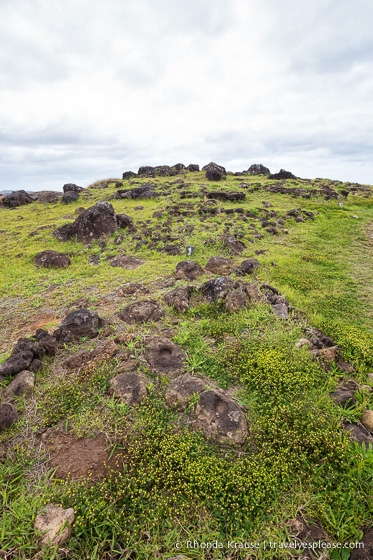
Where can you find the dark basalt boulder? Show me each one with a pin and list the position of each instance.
(24, 353)
(193, 167)
(221, 418)
(214, 172)
(282, 174)
(247, 267)
(124, 221)
(178, 299)
(189, 270)
(129, 175)
(218, 288)
(16, 198)
(182, 388)
(94, 223)
(164, 356)
(162, 170)
(79, 323)
(140, 312)
(179, 167)
(235, 246)
(46, 197)
(258, 169)
(69, 197)
(46, 341)
(226, 196)
(22, 384)
(52, 259)
(235, 301)
(219, 265)
(71, 187)
(145, 191)
(146, 171)
(128, 387)
(8, 415)
(127, 262)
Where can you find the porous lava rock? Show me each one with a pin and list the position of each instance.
(52, 259)
(146, 190)
(344, 395)
(94, 223)
(141, 311)
(182, 388)
(24, 353)
(178, 299)
(72, 187)
(248, 266)
(164, 356)
(193, 167)
(220, 418)
(129, 175)
(227, 196)
(47, 197)
(258, 169)
(16, 198)
(8, 415)
(124, 221)
(282, 174)
(22, 384)
(214, 172)
(280, 310)
(359, 433)
(235, 246)
(146, 171)
(69, 197)
(218, 288)
(79, 323)
(46, 341)
(219, 265)
(189, 270)
(130, 263)
(55, 524)
(128, 387)
(235, 301)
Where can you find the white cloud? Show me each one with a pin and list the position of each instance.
(90, 89)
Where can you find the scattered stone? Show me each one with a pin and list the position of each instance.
(71, 187)
(178, 299)
(8, 415)
(218, 288)
(141, 311)
(235, 301)
(171, 249)
(55, 524)
(46, 197)
(346, 367)
(52, 259)
(214, 172)
(328, 354)
(124, 221)
(79, 323)
(128, 387)
(258, 169)
(146, 190)
(192, 167)
(94, 260)
(182, 388)
(234, 245)
(46, 341)
(16, 198)
(129, 175)
(131, 289)
(69, 197)
(35, 365)
(282, 174)
(367, 419)
(219, 265)
(221, 418)
(94, 223)
(22, 384)
(189, 270)
(344, 395)
(164, 356)
(359, 433)
(130, 263)
(247, 267)
(280, 310)
(87, 362)
(303, 343)
(228, 196)
(23, 354)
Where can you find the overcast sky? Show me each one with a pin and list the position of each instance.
(92, 88)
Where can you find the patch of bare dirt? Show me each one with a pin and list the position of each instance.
(79, 458)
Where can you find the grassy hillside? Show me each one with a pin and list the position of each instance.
(158, 483)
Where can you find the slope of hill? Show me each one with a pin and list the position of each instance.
(210, 402)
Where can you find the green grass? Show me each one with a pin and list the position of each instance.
(171, 484)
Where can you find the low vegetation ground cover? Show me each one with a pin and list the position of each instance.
(167, 484)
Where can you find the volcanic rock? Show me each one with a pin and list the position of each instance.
(282, 174)
(55, 524)
(140, 312)
(130, 263)
(69, 197)
(164, 356)
(189, 270)
(235, 301)
(178, 299)
(52, 259)
(218, 288)
(234, 245)
(79, 323)
(219, 265)
(22, 384)
(71, 187)
(214, 172)
(182, 388)
(124, 221)
(258, 169)
(248, 267)
(16, 198)
(94, 223)
(8, 415)
(128, 387)
(221, 418)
